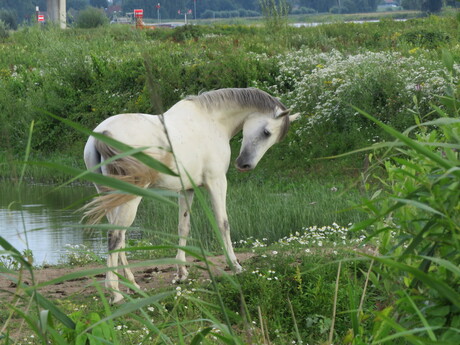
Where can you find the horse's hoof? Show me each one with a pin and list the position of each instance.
(117, 298)
(238, 268)
(180, 278)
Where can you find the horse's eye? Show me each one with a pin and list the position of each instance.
(267, 133)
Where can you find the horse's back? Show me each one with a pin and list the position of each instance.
(135, 130)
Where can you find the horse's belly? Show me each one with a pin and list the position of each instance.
(174, 183)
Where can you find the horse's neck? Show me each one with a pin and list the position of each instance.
(229, 120)
(232, 120)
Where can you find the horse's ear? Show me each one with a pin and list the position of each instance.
(282, 113)
(294, 117)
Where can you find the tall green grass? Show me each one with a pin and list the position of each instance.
(416, 219)
(262, 210)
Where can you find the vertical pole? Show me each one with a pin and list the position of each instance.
(62, 14)
(57, 11)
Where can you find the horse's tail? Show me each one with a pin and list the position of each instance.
(127, 169)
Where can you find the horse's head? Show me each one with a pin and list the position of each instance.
(260, 132)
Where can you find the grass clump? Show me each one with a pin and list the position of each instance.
(90, 18)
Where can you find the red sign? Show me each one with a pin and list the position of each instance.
(41, 18)
(158, 6)
(138, 13)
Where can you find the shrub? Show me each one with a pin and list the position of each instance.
(415, 217)
(4, 32)
(207, 14)
(323, 85)
(9, 18)
(303, 10)
(186, 32)
(425, 38)
(91, 18)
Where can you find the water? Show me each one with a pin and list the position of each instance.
(36, 218)
(314, 24)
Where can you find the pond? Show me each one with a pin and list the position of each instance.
(38, 217)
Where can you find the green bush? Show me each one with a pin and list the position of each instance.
(4, 32)
(324, 85)
(91, 18)
(303, 10)
(416, 217)
(9, 18)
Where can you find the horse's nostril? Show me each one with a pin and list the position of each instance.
(247, 166)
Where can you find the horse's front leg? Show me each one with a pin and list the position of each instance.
(185, 204)
(218, 191)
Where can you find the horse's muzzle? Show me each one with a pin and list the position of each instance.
(242, 166)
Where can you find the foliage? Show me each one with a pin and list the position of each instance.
(278, 280)
(21, 10)
(79, 255)
(8, 262)
(408, 295)
(431, 6)
(88, 75)
(416, 221)
(229, 14)
(91, 17)
(303, 10)
(322, 85)
(9, 19)
(4, 31)
(99, 3)
(275, 14)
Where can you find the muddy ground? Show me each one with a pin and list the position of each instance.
(148, 277)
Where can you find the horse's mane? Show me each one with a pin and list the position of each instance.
(246, 98)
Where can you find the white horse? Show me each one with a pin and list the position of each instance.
(199, 129)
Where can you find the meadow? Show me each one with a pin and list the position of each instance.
(359, 249)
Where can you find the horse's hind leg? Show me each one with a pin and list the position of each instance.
(122, 216)
(185, 203)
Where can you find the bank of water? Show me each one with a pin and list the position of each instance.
(41, 218)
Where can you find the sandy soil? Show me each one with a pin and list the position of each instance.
(148, 277)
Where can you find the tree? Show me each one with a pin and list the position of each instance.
(411, 4)
(77, 4)
(99, 3)
(8, 17)
(24, 9)
(91, 17)
(431, 6)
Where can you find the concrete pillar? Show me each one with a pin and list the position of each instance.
(57, 12)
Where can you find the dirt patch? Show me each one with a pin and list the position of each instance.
(148, 277)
